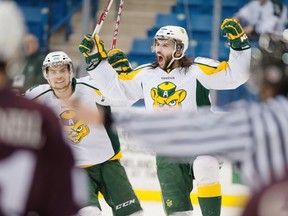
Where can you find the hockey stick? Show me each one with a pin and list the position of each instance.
(116, 30)
(102, 17)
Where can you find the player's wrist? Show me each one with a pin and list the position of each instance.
(92, 65)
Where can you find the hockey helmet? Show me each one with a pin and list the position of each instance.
(57, 58)
(174, 32)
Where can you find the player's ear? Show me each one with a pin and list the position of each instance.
(179, 47)
(179, 50)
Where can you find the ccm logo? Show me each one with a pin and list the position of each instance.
(127, 203)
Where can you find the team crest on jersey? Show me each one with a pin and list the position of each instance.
(75, 128)
(167, 98)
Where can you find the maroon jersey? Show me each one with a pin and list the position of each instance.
(269, 200)
(35, 162)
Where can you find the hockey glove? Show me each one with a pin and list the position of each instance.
(233, 30)
(119, 61)
(92, 49)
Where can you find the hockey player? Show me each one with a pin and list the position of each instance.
(252, 134)
(171, 84)
(96, 148)
(37, 173)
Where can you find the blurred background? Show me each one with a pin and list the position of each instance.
(61, 24)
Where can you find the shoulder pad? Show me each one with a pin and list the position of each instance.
(206, 61)
(142, 66)
(87, 81)
(37, 91)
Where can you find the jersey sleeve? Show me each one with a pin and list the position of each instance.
(35, 92)
(223, 75)
(101, 99)
(124, 87)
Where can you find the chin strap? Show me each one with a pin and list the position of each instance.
(170, 63)
(173, 56)
(173, 59)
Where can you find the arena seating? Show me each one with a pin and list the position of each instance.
(141, 52)
(43, 17)
(197, 17)
(194, 6)
(37, 20)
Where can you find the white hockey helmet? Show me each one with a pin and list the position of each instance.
(174, 32)
(57, 58)
(13, 30)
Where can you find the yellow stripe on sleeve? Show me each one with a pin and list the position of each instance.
(208, 70)
(129, 76)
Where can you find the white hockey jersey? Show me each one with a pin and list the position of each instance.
(90, 143)
(176, 90)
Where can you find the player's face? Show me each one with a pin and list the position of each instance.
(164, 50)
(59, 77)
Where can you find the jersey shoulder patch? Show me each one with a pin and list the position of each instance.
(206, 61)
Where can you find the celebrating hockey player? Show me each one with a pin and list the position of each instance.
(174, 83)
(253, 135)
(96, 148)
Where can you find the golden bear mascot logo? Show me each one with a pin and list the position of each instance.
(75, 128)
(166, 98)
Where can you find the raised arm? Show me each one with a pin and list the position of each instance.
(107, 78)
(227, 74)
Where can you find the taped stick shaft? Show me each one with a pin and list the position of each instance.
(102, 17)
(116, 30)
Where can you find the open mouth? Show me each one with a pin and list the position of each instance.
(160, 60)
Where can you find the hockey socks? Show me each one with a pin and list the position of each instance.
(209, 197)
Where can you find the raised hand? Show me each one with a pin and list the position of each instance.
(93, 49)
(233, 30)
(119, 61)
